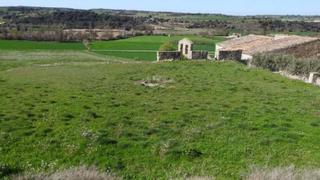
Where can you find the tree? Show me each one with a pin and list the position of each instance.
(167, 46)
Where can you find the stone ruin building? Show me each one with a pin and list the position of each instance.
(244, 48)
(185, 51)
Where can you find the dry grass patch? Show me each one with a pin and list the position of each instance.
(283, 173)
(79, 173)
(200, 178)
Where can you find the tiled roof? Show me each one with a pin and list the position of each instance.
(253, 44)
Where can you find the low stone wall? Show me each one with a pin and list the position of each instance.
(314, 77)
(176, 55)
(168, 55)
(199, 54)
(229, 55)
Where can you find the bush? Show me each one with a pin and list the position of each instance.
(167, 46)
(6, 170)
(288, 63)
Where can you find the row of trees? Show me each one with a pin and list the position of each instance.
(68, 35)
(76, 20)
(259, 25)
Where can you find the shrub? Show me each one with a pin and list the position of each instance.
(167, 46)
(288, 63)
(272, 62)
(6, 170)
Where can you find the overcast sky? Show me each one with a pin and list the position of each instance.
(234, 7)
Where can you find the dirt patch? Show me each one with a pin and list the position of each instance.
(283, 173)
(79, 173)
(156, 81)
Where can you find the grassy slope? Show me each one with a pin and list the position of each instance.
(11, 59)
(216, 119)
(149, 43)
(34, 45)
(137, 56)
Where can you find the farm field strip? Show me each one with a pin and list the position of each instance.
(35, 45)
(134, 48)
(141, 48)
(10, 59)
(107, 50)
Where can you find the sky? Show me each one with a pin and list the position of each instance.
(231, 7)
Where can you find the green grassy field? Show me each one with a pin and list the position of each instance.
(141, 48)
(208, 119)
(137, 56)
(150, 44)
(34, 45)
(11, 59)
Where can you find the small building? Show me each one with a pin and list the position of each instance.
(244, 48)
(185, 51)
(185, 47)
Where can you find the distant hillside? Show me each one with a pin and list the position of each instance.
(23, 22)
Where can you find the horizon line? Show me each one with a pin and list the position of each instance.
(160, 11)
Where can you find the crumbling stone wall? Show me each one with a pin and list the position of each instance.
(199, 54)
(185, 50)
(168, 55)
(314, 78)
(229, 55)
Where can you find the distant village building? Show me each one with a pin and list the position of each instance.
(234, 35)
(185, 51)
(244, 48)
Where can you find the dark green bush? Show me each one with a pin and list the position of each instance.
(288, 63)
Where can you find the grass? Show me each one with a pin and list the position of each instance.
(141, 48)
(34, 45)
(151, 44)
(138, 56)
(211, 120)
(12, 59)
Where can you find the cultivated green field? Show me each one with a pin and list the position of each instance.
(205, 119)
(145, 47)
(34, 45)
(142, 48)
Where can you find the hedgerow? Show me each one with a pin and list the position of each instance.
(288, 63)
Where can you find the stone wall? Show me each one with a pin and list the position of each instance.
(199, 55)
(229, 55)
(168, 55)
(313, 78)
